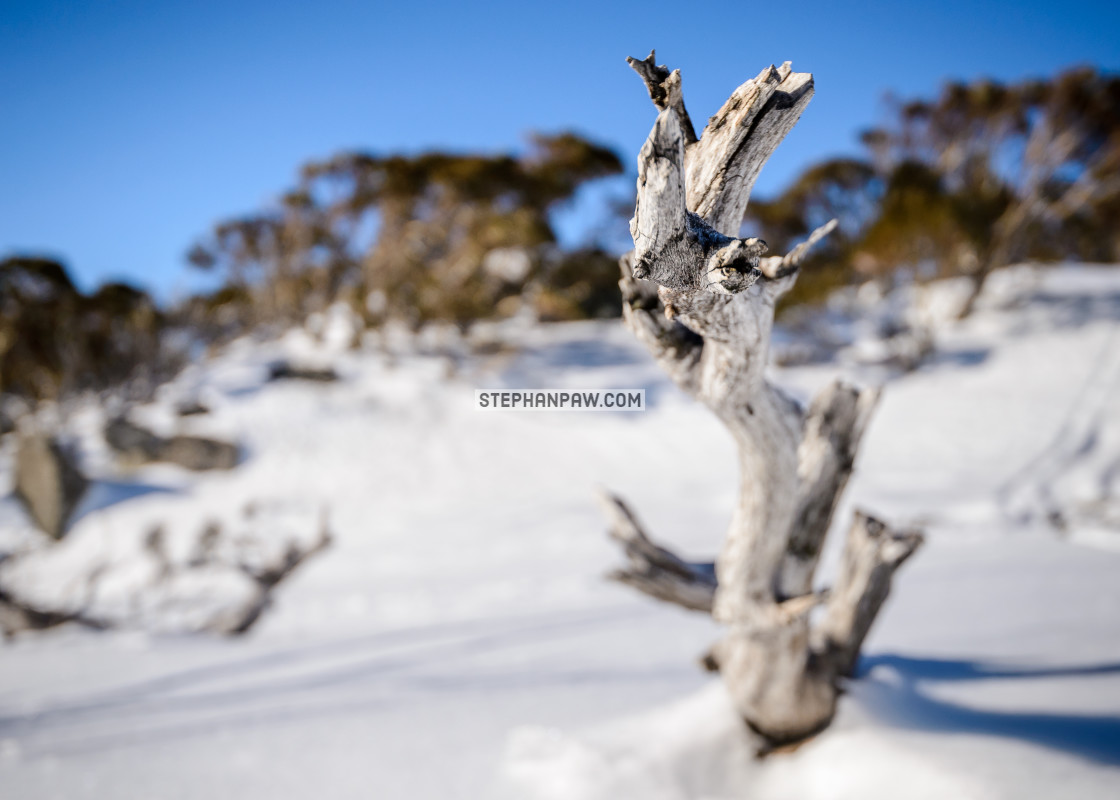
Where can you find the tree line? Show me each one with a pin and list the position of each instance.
(984, 175)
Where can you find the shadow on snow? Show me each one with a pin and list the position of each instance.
(903, 702)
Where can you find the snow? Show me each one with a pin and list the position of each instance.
(457, 639)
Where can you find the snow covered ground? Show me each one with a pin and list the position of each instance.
(457, 639)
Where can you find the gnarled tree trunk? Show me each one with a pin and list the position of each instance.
(701, 299)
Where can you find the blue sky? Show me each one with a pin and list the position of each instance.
(129, 128)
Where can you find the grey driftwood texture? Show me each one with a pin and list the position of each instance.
(701, 299)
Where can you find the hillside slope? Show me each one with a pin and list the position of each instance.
(457, 639)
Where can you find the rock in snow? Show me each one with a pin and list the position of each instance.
(197, 453)
(48, 481)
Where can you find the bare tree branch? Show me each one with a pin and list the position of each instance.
(740, 139)
(872, 553)
(834, 426)
(664, 90)
(653, 569)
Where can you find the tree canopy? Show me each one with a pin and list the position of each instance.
(435, 236)
(985, 175)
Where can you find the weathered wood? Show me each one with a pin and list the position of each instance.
(781, 271)
(702, 302)
(672, 246)
(740, 139)
(676, 349)
(834, 425)
(653, 569)
(664, 90)
(872, 553)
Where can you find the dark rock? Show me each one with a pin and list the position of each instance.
(198, 453)
(193, 452)
(48, 481)
(131, 440)
(192, 408)
(285, 370)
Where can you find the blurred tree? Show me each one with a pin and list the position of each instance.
(922, 224)
(848, 190)
(443, 237)
(55, 341)
(1012, 172)
(278, 265)
(984, 176)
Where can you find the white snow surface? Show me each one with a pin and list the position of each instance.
(457, 639)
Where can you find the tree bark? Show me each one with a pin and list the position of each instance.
(701, 299)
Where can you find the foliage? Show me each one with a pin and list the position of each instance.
(55, 341)
(422, 238)
(985, 175)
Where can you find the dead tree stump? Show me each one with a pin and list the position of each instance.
(701, 299)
